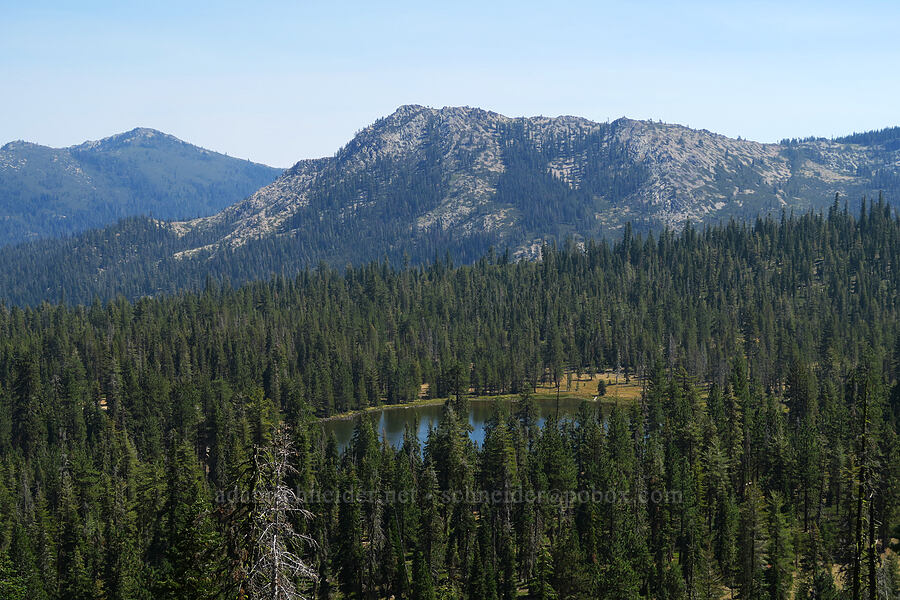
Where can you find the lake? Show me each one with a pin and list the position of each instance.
(390, 421)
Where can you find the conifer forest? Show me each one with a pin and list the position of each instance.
(172, 447)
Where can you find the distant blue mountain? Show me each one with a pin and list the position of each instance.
(52, 192)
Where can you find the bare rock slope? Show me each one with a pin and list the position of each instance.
(422, 175)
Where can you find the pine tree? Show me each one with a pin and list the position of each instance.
(752, 543)
(422, 588)
(349, 557)
(191, 544)
(75, 580)
(780, 552)
(13, 585)
(26, 407)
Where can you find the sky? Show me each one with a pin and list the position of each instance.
(277, 82)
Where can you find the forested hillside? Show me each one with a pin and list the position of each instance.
(141, 453)
(53, 192)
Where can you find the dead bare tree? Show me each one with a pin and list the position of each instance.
(274, 567)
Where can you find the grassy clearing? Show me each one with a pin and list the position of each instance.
(571, 387)
(585, 387)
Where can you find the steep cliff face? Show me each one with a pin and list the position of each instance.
(466, 172)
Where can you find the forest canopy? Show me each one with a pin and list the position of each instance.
(769, 354)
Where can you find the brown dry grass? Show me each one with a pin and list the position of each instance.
(585, 387)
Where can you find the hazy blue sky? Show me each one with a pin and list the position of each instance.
(277, 82)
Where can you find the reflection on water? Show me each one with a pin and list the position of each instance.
(390, 422)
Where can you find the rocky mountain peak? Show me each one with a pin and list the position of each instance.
(139, 136)
(17, 144)
(424, 173)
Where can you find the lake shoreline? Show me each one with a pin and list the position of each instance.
(512, 398)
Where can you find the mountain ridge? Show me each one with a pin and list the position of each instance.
(51, 192)
(685, 174)
(451, 183)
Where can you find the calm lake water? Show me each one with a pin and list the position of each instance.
(390, 421)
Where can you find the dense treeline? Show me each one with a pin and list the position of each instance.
(774, 461)
(889, 137)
